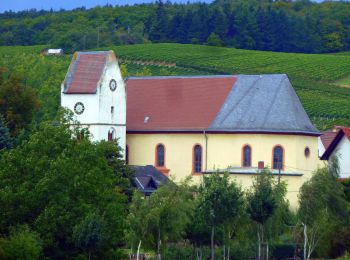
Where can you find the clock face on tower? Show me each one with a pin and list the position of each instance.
(113, 85)
(79, 108)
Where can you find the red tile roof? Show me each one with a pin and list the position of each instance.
(341, 132)
(327, 137)
(86, 71)
(175, 103)
(346, 131)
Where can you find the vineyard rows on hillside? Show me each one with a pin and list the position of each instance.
(312, 75)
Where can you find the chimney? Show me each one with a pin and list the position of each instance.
(261, 165)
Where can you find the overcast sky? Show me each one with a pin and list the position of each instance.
(18, 5)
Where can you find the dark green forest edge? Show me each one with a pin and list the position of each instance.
(286, 26)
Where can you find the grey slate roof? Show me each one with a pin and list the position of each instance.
(263, 103)
(147, 178)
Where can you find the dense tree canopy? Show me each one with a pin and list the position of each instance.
(67, 189)
(289, 26)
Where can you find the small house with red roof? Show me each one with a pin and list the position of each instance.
(339, 147)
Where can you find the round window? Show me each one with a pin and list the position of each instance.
(307, 152)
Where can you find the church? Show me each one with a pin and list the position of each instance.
(196, 125)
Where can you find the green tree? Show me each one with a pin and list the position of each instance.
(22, 243)
(262, 203)
(220, 201)
(322, 205)
(161, 217)
(214, 40)
(88, 234)
(18, 103)
(54, 181)
(5, 138)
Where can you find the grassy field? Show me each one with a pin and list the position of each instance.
(314, 76)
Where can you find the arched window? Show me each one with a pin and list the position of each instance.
(111, 134)
(126, 154)
(160, 155)
(197, 159)
(247, 156)
(278, 157)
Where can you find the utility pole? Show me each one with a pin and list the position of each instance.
(279, 172)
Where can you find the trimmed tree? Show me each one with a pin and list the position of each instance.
(220, 201)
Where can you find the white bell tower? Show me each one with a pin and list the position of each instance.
(94, 90)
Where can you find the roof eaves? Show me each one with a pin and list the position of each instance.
(333, 145)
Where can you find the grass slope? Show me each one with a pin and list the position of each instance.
(313, 76)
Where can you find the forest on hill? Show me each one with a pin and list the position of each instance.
(285, 26)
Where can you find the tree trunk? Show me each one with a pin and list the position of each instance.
(138, 251)
(212, 244)
(259, 243)
(305, 241)
(158, 246)
(267, 250)
(89, 254)
(228, 253)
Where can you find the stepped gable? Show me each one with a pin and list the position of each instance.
(175, 103)
(243, 103)
(85, 72)
(263, 103)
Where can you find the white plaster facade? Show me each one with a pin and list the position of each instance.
(321, 148)
(105, 110)
(342, 151)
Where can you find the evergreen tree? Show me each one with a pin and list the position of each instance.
(5, 138)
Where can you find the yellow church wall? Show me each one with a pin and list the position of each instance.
(225, 150)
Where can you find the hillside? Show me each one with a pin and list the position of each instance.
(314, 76)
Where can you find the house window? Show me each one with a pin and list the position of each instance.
(197, 159)
(111, 134)
(160, 155)
(247, 156)
(126, 154)
(278, 157)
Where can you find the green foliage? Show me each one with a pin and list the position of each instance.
(5, 138)
(161, 217)
(323, 210)
(262, 199)
(219, 199)
(290, 26)
(18, 103)
(214, 40)
(22, 243)
(88, 234)
(54, 183)
(322, 192)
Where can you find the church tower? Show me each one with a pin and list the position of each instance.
(94, 90)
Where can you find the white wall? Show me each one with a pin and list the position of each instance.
(321, 148)
(343, 153)
(97, 115)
